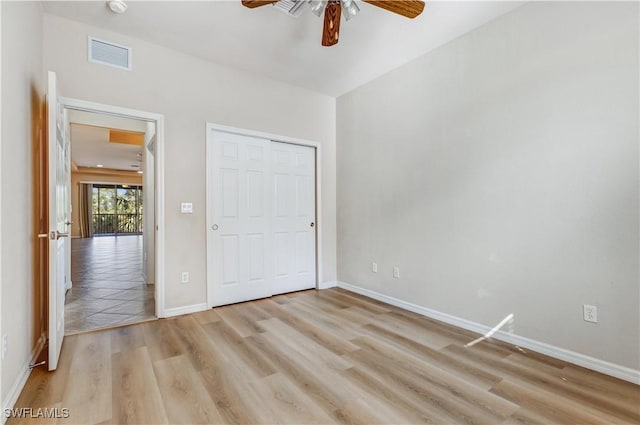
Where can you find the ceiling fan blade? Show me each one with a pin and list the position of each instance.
(331, 29)
(408, 8)
(256, 3)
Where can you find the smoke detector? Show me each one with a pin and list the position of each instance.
(117, 6)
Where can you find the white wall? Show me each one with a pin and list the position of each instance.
(22, 97)
(191, 92)
(500, 173)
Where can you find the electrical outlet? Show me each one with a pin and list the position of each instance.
(5, 346)
(185, 277)
(396, 272)
(590, 313)
(374, 267)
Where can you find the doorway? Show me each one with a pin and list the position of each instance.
(112, 264)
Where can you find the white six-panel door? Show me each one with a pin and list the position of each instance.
(293, 217)
(239, 225)
(260, 218)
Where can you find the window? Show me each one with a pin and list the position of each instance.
(117, 209)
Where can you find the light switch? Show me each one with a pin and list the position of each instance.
(186, 208)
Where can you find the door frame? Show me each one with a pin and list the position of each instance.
(274, 138)
(87, 106)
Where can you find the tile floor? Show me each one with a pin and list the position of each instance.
(108, 284)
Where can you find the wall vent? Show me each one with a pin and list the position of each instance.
(108, 53)
(290, 7)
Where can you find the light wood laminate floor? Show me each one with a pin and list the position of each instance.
(317, 357)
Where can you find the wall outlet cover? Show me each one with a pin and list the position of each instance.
(396, 272)
(590, 313)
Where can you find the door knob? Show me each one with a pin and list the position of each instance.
(312, 224)
(214, 227)
(52, 235)
(68, 223)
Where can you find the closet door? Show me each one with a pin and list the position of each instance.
(239, 219)
(294, 217)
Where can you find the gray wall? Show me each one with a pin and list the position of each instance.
(22, 96)
(500, 173)
(191, 92)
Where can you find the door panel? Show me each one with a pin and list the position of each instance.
(261, 217)
(59, 166)
(302, 252)
(282, 254)
(255, 193)
(239, 228)
(304, 186)
(294, 216)
(230, 256)
(229, 193)
(256, 257)
(282, 196)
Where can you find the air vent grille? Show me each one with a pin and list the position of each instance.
(108, 53)
(290, 7)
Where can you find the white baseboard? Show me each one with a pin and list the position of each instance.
(14, 392)
(579, 359)
(327, 285)
(179, 311)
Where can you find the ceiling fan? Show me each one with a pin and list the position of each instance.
(333, 9)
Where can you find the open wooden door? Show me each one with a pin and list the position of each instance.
(59, 202)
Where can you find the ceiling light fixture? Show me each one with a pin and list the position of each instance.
(99, 165)
(117, 6)
(334, 9)
(349, 9)
(317, 6)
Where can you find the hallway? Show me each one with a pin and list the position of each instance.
(108, 284)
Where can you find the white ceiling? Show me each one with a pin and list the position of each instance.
(273, 44)
(90, 144)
